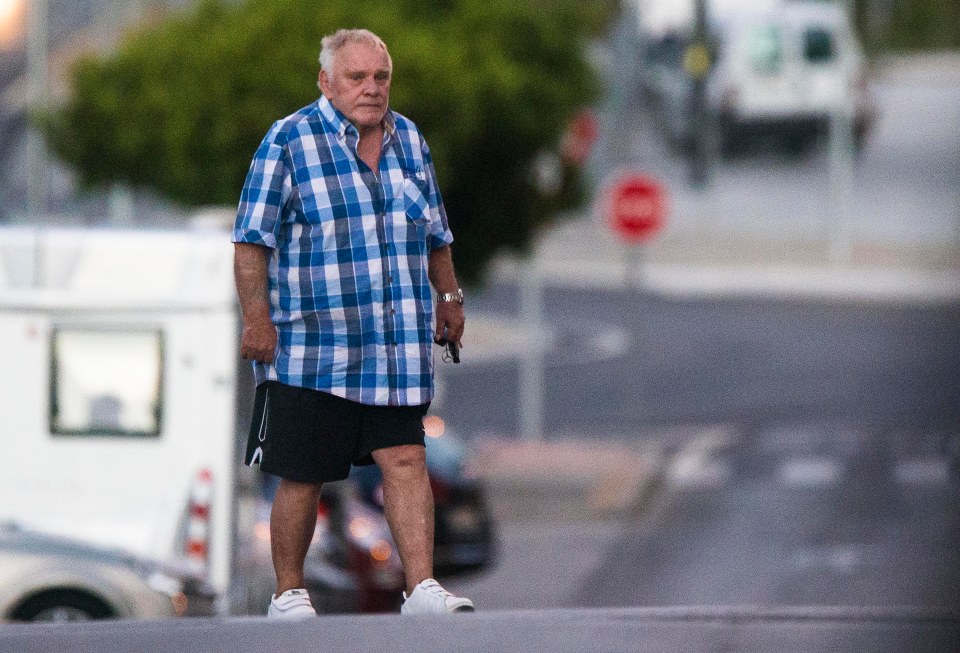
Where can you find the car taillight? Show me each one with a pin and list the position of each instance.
(441, 491)
(196, 545)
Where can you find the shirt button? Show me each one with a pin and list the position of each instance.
(389, 279)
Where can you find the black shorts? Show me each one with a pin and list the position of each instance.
(313, 437)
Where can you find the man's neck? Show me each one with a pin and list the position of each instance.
(369, 146)
(376, 130)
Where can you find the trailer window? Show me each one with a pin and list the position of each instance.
(106, 382)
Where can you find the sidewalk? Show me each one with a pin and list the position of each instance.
(567, 480)
(580, 253)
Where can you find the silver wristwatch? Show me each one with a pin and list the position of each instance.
(451, 296)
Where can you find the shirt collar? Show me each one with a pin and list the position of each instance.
(340, 123)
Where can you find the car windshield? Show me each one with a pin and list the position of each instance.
(818, 45)
(764, 47)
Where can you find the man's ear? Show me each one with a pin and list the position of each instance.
(323, 81)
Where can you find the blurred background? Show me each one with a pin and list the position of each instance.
(741, 387)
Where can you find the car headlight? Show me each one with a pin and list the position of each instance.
(164, 583)
(172, 587)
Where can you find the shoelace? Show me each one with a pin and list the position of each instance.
(436, 589)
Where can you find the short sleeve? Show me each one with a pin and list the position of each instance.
(440, 233)
(265, 192)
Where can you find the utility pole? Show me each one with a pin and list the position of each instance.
(532, 363)
(840, 170)
(37, 75)
(697, 62)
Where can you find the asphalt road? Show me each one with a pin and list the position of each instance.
(816, 465)
(788, 516)
(887, 366)
(557, 631)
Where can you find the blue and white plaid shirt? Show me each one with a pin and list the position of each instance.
(349, 291)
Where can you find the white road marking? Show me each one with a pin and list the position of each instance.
(810, 472)
(696, 467)
(494, 338)
(931, 470)
(842, 559)
(693, 472)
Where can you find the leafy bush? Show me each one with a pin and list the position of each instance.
(182, 104)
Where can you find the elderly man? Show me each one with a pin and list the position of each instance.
(339, 234)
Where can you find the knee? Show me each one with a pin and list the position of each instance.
(406, 460)
(299, 490)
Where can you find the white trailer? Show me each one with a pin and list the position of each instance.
(117, 408)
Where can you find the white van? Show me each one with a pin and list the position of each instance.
(779, 70)
(118, 395)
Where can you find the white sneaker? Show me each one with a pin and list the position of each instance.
(292, 604)
(429, 597)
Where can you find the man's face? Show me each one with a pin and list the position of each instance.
(359, 86)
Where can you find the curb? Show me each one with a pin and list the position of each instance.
(566, 480)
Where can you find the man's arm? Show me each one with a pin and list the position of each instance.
(449, 314)
(259, 339)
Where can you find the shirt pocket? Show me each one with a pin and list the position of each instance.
(416, 208)
(415, 203)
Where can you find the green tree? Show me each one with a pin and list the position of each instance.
(925, 25)
(182, 103)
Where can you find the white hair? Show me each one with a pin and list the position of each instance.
(331, 44)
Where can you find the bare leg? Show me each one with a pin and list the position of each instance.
(408, 504)
(292, 522)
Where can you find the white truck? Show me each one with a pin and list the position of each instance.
(781, 69)
(118, 402)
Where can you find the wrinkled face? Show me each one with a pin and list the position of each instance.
(359, 86)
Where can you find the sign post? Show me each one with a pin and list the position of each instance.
(634, 206)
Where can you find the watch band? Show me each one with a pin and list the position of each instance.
(451, 296)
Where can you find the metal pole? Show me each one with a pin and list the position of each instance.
(840, 184)
(122, 205)
(635, 265)
(37, 76)
(697, 64)
(531, 362)
(841, 180)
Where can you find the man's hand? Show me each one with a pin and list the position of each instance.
(258, 342)
(449, 314)
(259, 339)
(450, 318)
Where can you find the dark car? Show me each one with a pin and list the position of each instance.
(353, 564)
(464, 532)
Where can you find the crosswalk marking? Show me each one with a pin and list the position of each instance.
(923, 471)
(810, 472)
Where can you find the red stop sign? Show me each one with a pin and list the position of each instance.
(635, 207)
